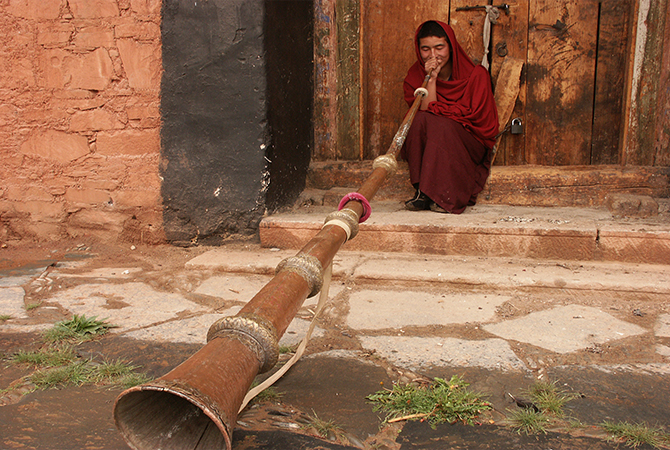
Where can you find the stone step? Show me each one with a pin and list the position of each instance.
(582, 186)
(546, 233)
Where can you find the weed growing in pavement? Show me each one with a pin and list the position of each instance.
(77, 373)
(324, 428)
(79, 328)
(4, 317)
(549, 398)
(132, 379)
(442, 401)
(118, 372)
(634, 435)
(30, 306)
(528, 421)
(47, 357)
(286, 349)
(59, 365)
(544, 408)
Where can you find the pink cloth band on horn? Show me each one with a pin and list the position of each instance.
(367, 209)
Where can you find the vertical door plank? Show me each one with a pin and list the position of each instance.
(388, 52)
(511, 35)
(347, 14)
(373, 33)
(469, 26)
(560, 76)
(662, 155)
(610, 81)
(325, 81)
(396, 57)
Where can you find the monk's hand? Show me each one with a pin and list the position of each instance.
(433, 66)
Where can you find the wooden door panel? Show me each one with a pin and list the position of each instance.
(560, 75)
(468, 26)
(610, 81)
(388, 51)
(571, 112)
(511, 35)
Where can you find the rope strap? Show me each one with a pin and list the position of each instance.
(367, 209)
(301, 348)
(492, 15)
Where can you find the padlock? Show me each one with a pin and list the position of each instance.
(517, 126)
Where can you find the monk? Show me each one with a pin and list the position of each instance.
(449, 145)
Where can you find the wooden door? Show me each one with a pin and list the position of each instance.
(387, 52)
(571, 97)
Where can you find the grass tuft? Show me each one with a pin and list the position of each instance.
(634, 435)
(48, 357)
(132, 379)
(4, 317)
(79, 328)
(528, 421)
(73, 374)
(549, 398)
(325, 428)
(544, 408)
(283, 349)
(77, 373)
(59, 365)
(31, 306)
(442, 401)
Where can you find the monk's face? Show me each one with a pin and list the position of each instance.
(434, 47)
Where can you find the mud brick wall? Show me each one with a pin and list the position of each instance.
(79, 119)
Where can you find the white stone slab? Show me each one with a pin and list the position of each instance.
(424, 352)
(662, 328)
(263, 261)
(8, 327)
(663, 350)
(11, 302)
(194, 329)
(234, 287)
(565, 329)
(242, 288)
(377, 309)
(187, 331)
(15, 281)
(516, 272)
(296, 332)
(128, 305)
(255, 261)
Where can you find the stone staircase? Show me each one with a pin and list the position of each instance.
(533, 224)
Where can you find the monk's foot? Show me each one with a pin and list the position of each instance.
(420, 202)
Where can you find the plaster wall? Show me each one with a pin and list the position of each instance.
(151, 121)
(80, 119)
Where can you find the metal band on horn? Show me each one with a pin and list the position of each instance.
(308, 267)
(257, 333)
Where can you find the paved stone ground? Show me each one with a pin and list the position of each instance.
(390, 317)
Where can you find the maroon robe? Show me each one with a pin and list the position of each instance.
(448, 146)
